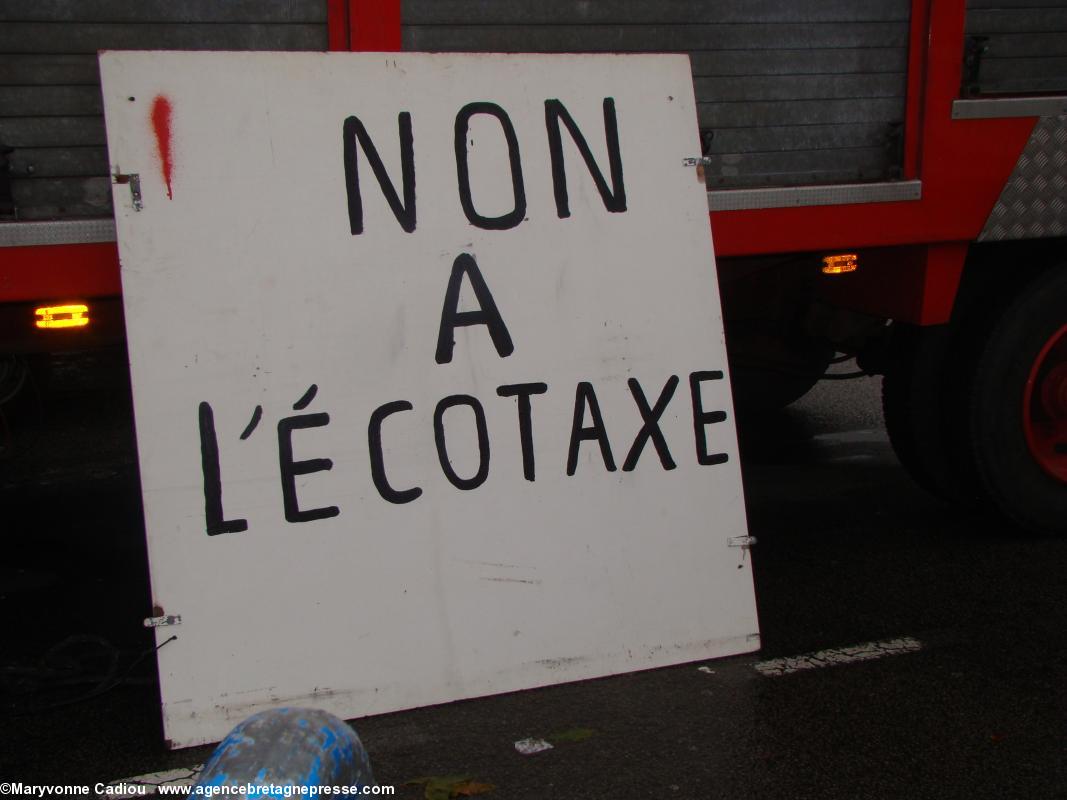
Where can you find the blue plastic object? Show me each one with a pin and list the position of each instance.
(288, 753)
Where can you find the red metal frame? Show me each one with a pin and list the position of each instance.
(913, 106)
(963, 165)
(59, 272)
(338, 25)
(364, 25)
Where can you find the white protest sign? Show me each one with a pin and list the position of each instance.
(429, 376)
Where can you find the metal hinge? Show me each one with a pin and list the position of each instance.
(134, 180)
(741, 541)
(164, 621)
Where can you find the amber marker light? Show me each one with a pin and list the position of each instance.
(840, 264)
(75, 315)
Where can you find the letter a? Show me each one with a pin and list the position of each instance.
(488, 315)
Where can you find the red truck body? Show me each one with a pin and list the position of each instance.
(942, 152)
(950, 249)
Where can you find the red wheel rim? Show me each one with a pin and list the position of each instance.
(1045, 407)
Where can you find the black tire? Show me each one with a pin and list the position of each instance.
(920, 402)
(1013, 479)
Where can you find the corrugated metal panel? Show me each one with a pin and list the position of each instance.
(1015, 47)
(74, 231)
(826, 61)
(837, 195)
(48, 69)
(56, 198)
(24, 101)
(20, 132)
(59, 162)
(792, 92)
(642, 12)
(1032, 204)
(1006, 107)
(50, 106)
(85, 37)
(152, 11)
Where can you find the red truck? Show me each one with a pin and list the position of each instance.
(886, 179)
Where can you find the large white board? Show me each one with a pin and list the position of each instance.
(473, 438)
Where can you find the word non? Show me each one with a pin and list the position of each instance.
(356, 138)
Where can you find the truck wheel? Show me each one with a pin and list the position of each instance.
(913, 403)
(1018, 414)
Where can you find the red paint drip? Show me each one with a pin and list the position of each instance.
(161, 114)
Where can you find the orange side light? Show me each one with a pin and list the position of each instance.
(75, 315)
(840, 263)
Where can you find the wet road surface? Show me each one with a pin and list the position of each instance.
(849, 552)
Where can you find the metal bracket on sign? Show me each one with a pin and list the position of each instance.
(134, 180)
(745, 542)
(162, 622)
(702, 161)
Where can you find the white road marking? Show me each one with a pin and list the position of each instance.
(868, 651)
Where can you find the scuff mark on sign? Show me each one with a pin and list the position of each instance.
(161, 120)
(559, 663)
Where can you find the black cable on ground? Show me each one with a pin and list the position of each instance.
(57, 676)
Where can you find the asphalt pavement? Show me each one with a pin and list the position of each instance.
(923, 645)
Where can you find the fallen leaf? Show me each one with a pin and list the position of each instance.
(471, 788)
(445, 787)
